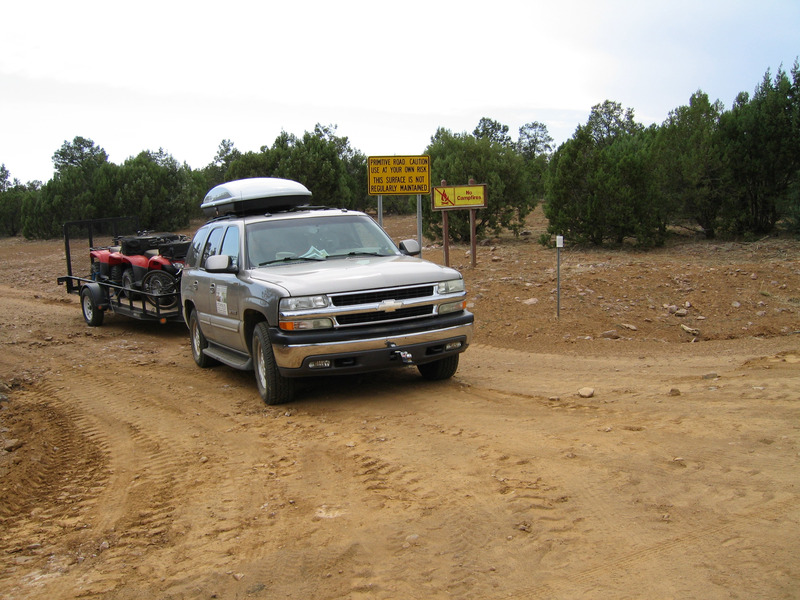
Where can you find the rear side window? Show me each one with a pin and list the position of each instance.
(212, 245)
(193, 255)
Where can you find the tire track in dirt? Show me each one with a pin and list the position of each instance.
(520, 504)
(165, 451)
(63, 463)
(369, 486)
(120, 477)
(588, 511)
(290, 502)
(622, 562)
(595, 500)
(406, 503)
(436, 512)
(62, 478)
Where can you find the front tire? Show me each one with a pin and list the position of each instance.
(273, 387)
(199, 343)
(91, 314)
(157, 283)
(440, 369)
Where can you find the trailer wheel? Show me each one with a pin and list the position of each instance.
(199, 343)
(273, 387)
(91, 314)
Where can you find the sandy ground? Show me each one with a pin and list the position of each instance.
(127, 472)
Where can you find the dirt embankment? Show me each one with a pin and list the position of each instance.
(127, 472)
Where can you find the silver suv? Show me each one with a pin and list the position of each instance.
(295, 291)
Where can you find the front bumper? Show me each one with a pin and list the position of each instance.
(373, 349)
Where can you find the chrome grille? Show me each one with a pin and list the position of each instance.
(384, 316)
(378, 296)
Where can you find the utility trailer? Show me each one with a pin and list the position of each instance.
(100, 292)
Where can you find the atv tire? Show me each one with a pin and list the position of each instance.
(128, 284)
(116, 274)
(159, 283)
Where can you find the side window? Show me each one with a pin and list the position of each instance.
(230, 245)
(212, 246)
(193, 255)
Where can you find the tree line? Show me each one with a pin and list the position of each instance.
(719, 172)
(734, 172)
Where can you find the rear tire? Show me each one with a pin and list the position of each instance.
(127, 284)
(91, 314)
(115, 274)
(199, 343)
(273, 387)
(441, 369)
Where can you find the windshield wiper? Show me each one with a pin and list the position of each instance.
(358, 253)
(289, 259)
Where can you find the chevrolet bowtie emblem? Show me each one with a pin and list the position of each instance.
(390, 305)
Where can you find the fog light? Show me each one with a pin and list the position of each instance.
(306, 324)
(453, 345)
(320, 364)
(452, 307)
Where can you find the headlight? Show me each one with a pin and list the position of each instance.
(451, 287)
(304, 303)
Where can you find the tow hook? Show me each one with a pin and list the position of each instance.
(403, 355)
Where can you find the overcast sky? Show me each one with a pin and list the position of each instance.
(183, 76)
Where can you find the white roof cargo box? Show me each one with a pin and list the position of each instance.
(255, 195)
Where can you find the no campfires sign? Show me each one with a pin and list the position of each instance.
(453, 197)
(459, 196)
(399, 175)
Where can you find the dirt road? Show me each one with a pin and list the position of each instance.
(127, 472)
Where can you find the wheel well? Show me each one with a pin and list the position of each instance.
(251, 319)
(188, 307)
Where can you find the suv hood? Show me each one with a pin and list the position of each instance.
(336, 275)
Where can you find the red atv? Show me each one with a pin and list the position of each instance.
(146, 262)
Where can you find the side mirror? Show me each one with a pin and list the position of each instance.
(220, 263)
(410, 247)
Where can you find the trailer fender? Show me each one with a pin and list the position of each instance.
(99, 294)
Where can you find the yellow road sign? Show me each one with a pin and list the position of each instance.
(459, 196)
(399, 175)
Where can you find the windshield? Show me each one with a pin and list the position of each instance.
(315, 238)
